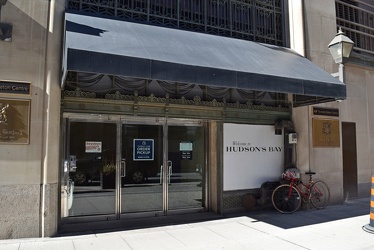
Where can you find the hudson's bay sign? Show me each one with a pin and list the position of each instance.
(252, 155)
(249, 147)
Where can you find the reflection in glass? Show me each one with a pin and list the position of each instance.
(92, 168)
(89, 182)
(186, 161)
(141, 188)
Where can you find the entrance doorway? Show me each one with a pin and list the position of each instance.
(349, 160)
(121, 167)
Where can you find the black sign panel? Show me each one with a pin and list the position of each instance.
(19, 88)
(186, 155)
(325, 111)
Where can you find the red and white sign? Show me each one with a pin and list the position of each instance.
(93, 146)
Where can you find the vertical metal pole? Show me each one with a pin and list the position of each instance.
(285, 23)
(115, 7)
(178, 12)
(165, 186)
(372, 203)
(205, 16)
(370, 227)
(254, 28)
(65, 152)
(118, 170)
(274, 26)
(341, 73)
(206, 170)
(230, 17)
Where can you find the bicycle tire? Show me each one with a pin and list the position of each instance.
(282, 202)
(319, 194)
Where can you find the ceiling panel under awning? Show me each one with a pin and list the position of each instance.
(108, 46)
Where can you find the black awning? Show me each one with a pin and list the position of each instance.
(107, 46)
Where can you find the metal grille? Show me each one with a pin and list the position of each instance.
(357, 20)
(255, 20)
(232, 202)
(234, 199)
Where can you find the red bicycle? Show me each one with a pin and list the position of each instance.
(287, 198)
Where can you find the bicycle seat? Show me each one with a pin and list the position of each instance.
(310, 173)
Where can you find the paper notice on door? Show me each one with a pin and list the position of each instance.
(93, 146)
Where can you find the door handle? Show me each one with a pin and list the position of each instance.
(66, 166)
(161, 173)
(170, 171)
(123, 168)
(170, 168)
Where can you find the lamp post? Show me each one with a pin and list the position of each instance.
(340, 48)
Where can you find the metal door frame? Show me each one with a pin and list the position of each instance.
(165, 122)
(68, 118)
(120, 120)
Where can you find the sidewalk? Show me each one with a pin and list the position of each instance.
(336, 227)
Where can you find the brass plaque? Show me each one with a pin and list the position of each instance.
(14, 121)
(326, 133)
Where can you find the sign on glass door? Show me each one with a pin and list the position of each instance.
(143, 149)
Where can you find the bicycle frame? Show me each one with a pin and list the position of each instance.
(287, 198)
(295, 183)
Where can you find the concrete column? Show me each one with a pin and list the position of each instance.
(296, 23)
(214, 165)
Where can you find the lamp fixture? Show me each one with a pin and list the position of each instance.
(340, 48)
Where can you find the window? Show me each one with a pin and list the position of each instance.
(254, 20)
(357, 20)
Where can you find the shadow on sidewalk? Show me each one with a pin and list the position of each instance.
(352, 208)
(84, 228)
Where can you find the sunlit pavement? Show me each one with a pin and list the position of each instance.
(336, 227)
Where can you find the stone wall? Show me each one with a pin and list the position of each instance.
(34, 56)
(320, 28)
(19, 208)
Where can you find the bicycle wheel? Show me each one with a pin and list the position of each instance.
(319, 194)
(286, 199)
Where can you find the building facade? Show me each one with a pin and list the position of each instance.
(348, 166)
(120, 109)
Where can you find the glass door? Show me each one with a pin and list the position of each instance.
(186, 158)
(162, 166)
(141, 168)
(90, 169)
(118, 166)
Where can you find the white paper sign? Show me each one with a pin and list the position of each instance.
(93, 147)
(253, 154)
(185, 146)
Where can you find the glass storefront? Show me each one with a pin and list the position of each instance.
(123, 167)
(141, 188)
(92, 157)
(186, 161)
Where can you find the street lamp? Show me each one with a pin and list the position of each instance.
(341, 48)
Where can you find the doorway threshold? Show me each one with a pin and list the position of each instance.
(85, 228)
